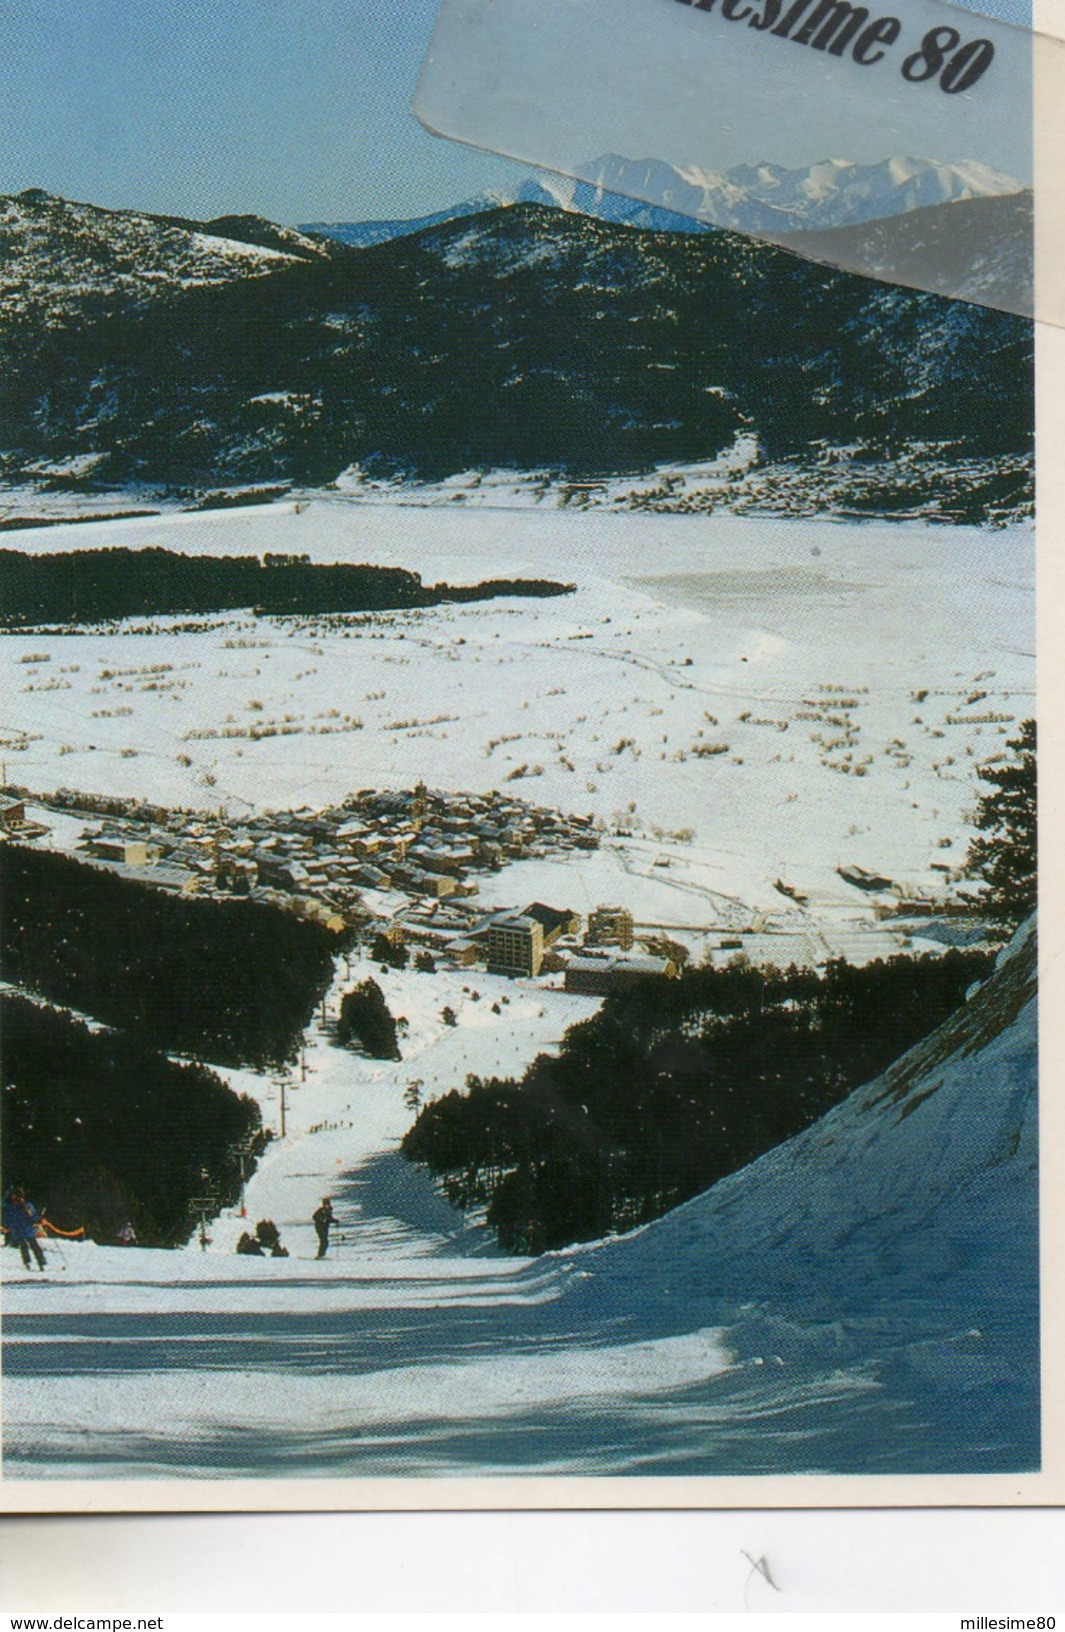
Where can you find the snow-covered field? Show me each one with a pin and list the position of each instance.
(786, 696)
(739, 701)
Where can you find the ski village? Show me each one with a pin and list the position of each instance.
(399, 867)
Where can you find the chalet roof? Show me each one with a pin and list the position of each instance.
(162, 875)
(549, 918)
(512, 920)
(586, 963)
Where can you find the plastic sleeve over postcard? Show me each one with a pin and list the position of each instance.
(743, 113)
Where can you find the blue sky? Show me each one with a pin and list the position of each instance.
(294, 109)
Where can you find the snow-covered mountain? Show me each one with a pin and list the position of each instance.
(764, 199)
(528, 339)
(58, 257)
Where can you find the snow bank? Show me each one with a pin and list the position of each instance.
(901, 1230)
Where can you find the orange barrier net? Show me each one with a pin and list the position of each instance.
(68, 1235)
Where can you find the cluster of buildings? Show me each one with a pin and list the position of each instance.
(540, 939)
(425, 845)
(402, 864)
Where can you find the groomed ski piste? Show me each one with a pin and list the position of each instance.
(863, 1299)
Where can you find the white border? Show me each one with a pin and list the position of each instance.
(457, 1495)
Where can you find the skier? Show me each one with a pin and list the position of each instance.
(269, 1238)
(21, 1219)
(322, 1218)
(127, 1235)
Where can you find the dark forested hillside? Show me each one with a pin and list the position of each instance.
(232, 981)
(524, 337)
(101, 1129)
(90, 586)
(672, 1085)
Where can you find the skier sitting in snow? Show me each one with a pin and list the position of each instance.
(269, 1238)
(21, 1219)
(322, 1218)
(248, 1247)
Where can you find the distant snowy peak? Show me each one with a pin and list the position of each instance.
(765, 198)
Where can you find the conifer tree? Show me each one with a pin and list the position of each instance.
(1003, 855)
(367, 1022)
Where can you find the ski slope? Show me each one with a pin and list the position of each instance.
(862, 1299)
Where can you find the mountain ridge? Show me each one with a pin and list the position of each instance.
(977, 249)
(59, 256)
(764, 199)
(152, 352)
(770, 199)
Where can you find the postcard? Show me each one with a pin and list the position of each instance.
(518, 775)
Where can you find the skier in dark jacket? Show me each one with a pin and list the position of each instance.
(21, 1219)
(269, 1238)
(322, 1218)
